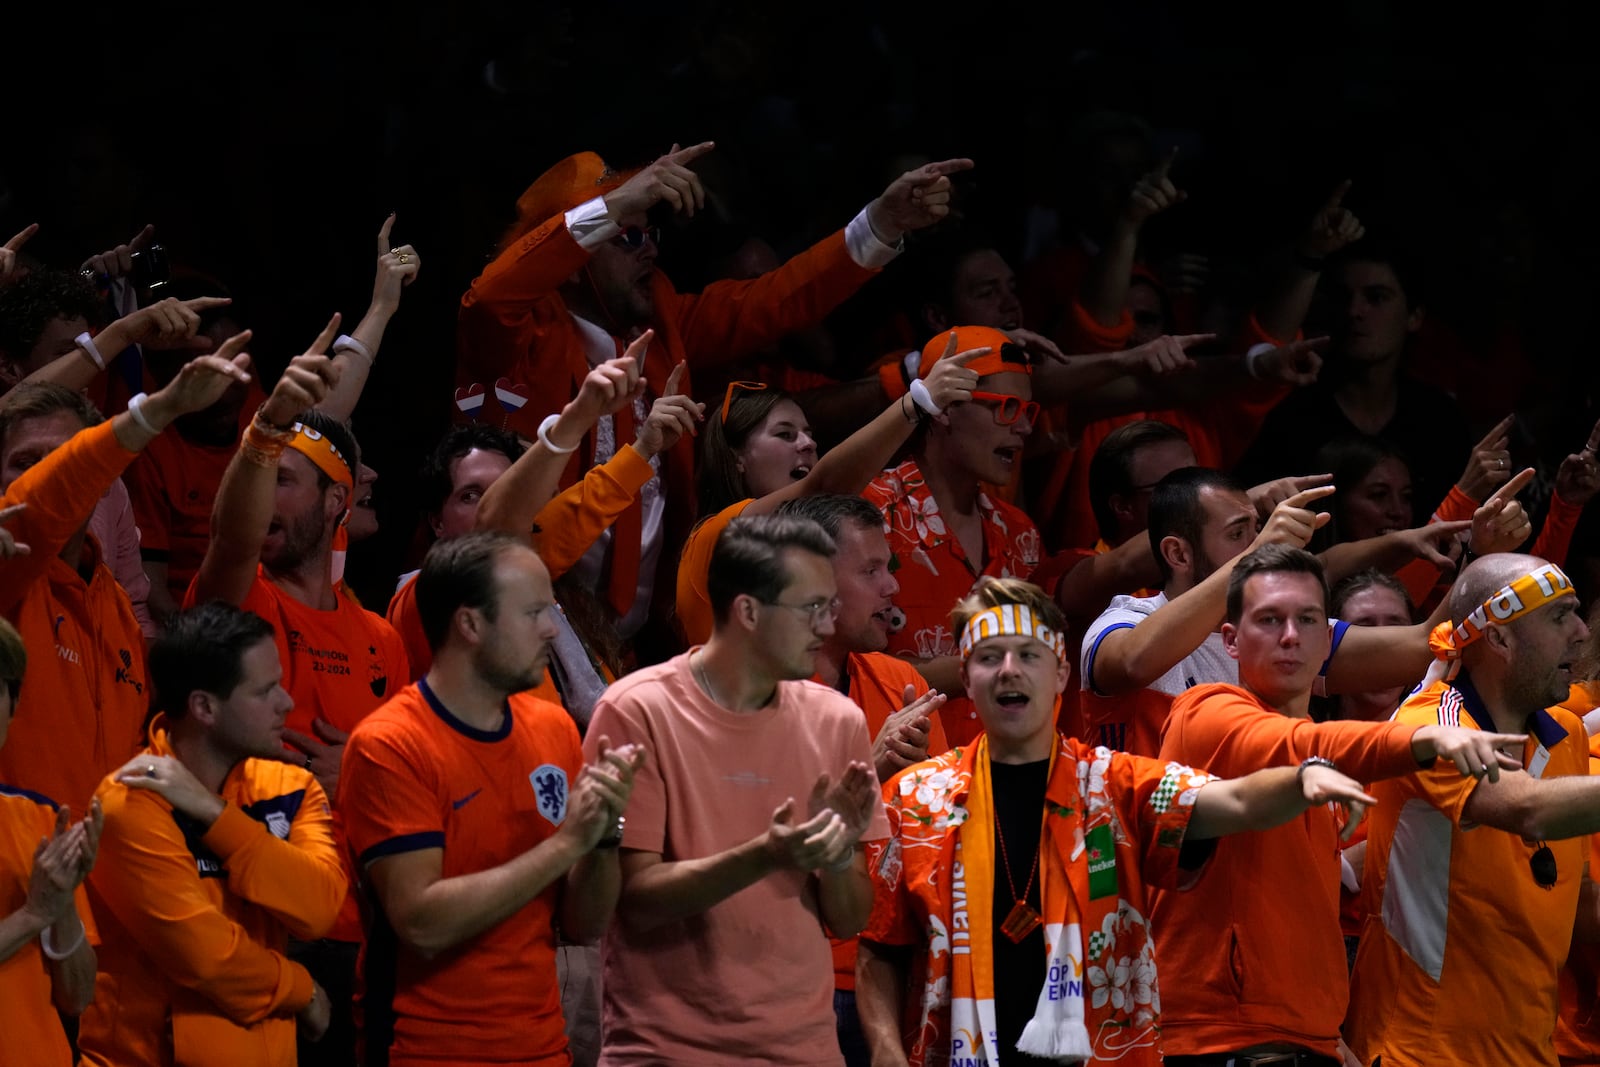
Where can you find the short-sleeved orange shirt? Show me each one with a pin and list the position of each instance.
(934, 572)
(1461, 947)
(427, 780)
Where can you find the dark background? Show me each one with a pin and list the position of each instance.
(266, 144)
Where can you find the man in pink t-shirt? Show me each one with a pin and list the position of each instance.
(740, 852)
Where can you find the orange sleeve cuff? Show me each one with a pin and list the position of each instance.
(891, 376)
(300, 986)
(1455, 506)
(1256, 334)
(1089, 335)
(630, 469)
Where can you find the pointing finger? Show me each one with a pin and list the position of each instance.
(675, 380)
(947, 166)
(383, 234)
(963, 358)
(690, 154)
(325, 338)
(1516, 485)
(1594, 440)
(1338, 196)
(22, 238)
(142, 238)
(1187, 339)
(1307, 496)
(1166, 161)
(7, 514)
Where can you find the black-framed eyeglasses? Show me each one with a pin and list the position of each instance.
(816, 612)
(633, 237)
(1543, 865)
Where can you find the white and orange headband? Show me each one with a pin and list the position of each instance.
(1010, 620)
(1527, 594)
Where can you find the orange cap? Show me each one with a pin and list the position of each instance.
(1004, 355)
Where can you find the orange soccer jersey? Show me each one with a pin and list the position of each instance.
(194, 921)
(1461, 946)
(28, 1019)
(427, 780)
(82, 712)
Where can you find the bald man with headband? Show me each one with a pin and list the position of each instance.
(1473, 884)
(275, 527)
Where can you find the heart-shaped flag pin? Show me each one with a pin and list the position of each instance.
(511, 397)
(469, 398)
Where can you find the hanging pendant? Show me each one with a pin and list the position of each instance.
(1021, 922)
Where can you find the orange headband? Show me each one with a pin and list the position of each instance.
(1528, 593)
(321, 451)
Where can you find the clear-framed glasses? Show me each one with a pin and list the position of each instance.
(816, 612)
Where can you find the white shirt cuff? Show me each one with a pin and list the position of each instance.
(589, 224)
(864, 246)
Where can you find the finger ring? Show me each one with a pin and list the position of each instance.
(308, 763)
(395, 251)
(404, 258)
(149, 770)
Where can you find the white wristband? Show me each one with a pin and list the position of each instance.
(1252, 359)
(919, 392)
(60, 953)
(136, 412)
(345, 342)
(544, 436)
(85, 342)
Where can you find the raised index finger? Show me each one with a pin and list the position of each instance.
(946, 166)
(7, 514)
(1307, 496)
(22, 238)
(675, 380)
(963, 358)
(325, 338)
(1594, 440)
(1166, 161)
(1498, 431)
(1338, 196)
(1512, 488)
(383, 234)
(206, 303)
(690, 154)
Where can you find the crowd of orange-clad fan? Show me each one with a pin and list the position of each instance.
(1096, 675)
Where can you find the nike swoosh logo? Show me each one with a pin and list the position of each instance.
(459, 804)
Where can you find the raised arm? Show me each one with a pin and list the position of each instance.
(245, 498)
(848, 467)
(1104, 294)
(517, 497)
(1271, 797)
(1331, 229)
(1131, 658)
(167, 324)
(397, 268)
